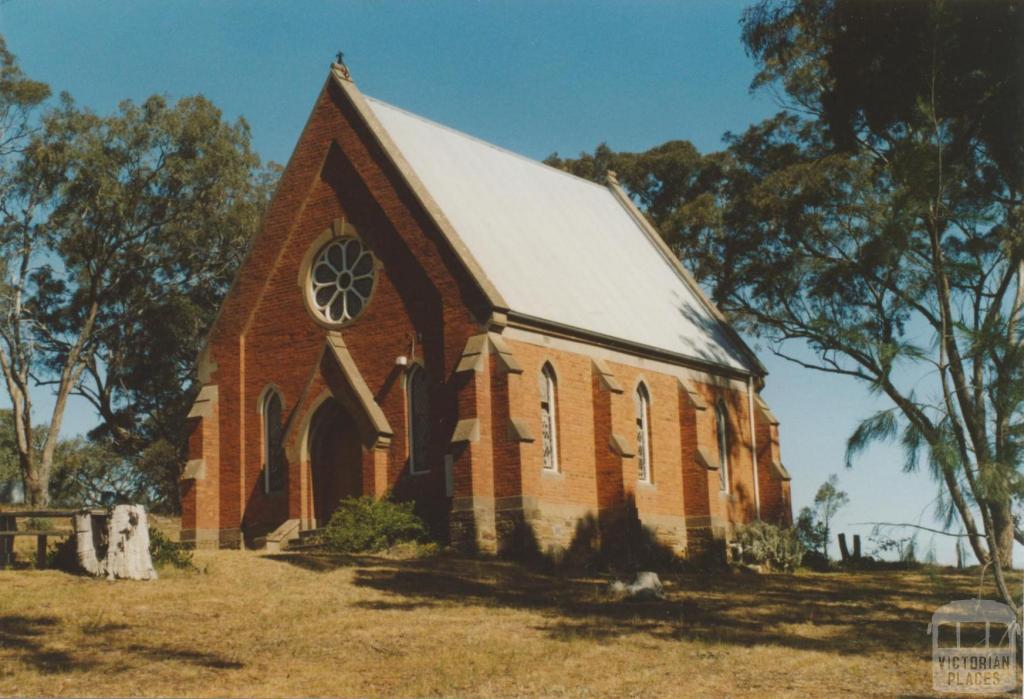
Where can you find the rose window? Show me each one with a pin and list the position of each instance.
(342, 280)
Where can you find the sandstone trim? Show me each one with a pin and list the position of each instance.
(780, 472)
(695, 399)
(506, 358)
(765, 411)
(706, 459)
(467, 430)
(195, 469)
(364, 399)
(519, 430)
(607, 378)
(473, 355)
(620, 446)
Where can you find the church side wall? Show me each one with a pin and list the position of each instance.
(683, 499)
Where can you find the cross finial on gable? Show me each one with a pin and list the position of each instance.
(339, 65)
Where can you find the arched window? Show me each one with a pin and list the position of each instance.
(418, 402)
(643, 433)
(273, 451)
(722, 424)
(549, 417)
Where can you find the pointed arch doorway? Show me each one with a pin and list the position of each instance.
(335, 459)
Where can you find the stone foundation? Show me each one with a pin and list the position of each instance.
(212, 538)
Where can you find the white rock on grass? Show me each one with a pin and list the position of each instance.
(647, 585)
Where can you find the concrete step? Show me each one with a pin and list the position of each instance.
(307, 540)
(277, 539)
(307, 534)
(299, 546)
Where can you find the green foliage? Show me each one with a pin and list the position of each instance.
(904, 548)
(165, 552)
(63, 555)
(83, 469)
(776, 548)
(366, 525)
(119, 237)
(874, 227)
(813, 524)
(810, 531)
(9, 470)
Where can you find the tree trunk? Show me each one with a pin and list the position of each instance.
(36, 491)
(115, 546)
(1002, 530)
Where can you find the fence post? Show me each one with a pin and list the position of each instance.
(40, 551)
(843, 550)
(7, 524)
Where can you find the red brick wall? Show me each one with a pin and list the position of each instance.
(775, 500)
(265, 334)
(592, 477)
(199, 501)
(575, 482)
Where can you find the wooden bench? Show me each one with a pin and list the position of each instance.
(9, 531)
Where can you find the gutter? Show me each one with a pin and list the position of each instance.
(556, 329)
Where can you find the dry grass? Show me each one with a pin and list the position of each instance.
(303, 625)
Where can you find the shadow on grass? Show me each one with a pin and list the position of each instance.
(27, 636)
(33, 640)
(858, 613)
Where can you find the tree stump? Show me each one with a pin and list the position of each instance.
(115, 546)
(91, 542)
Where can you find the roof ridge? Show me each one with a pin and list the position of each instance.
(471, 137)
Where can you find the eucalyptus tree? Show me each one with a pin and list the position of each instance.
(20, 100)
(872, 228)
(120, 235)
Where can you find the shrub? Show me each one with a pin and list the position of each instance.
(165, 552)
(776, 548)
(63, 556)
(365, 525)
(816, 561)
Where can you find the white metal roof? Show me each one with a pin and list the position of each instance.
(557, 247)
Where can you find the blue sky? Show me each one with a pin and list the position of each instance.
(534, 77)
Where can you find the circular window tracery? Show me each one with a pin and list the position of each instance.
(341, 280)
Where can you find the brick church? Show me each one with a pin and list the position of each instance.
(514, 348)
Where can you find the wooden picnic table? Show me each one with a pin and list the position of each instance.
(9, 530)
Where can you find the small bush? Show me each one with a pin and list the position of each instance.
(775, 548)
(63, 556)
(165, 552)
(366, 525)
(816, 561)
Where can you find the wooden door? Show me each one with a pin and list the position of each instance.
(335, 460)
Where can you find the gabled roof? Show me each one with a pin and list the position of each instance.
(557, 249)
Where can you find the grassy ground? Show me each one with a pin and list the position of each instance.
(306, 625)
